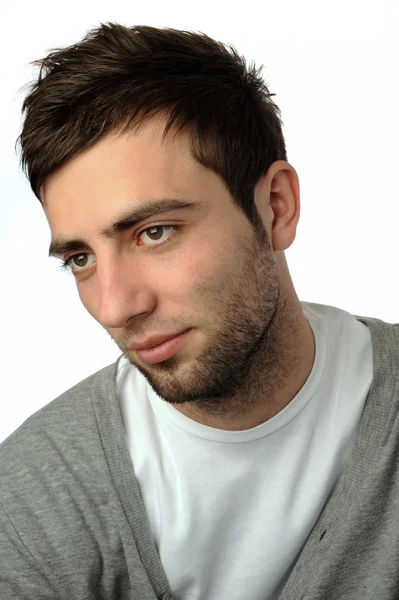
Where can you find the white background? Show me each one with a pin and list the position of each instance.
(333, 66)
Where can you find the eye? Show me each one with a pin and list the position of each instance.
(67, 265)
(156, 228)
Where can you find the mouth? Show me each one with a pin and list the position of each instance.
(164, 350)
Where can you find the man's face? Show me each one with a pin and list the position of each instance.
(205, 270)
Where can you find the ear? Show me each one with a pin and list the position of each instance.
(277, 200)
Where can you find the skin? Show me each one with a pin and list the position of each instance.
(251, 348)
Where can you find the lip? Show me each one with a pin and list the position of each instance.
(164, 350)
(155, 340)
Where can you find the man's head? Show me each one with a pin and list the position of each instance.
(215, 267)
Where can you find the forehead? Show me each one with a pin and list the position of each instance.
(138, 164)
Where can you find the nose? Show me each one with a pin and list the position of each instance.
(122, 293)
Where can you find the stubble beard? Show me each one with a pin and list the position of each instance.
(246, 360)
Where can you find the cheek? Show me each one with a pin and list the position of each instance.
(184, 273)
(213, 274)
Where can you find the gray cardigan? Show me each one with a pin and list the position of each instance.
(73, 525)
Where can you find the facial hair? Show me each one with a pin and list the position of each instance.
(247, 355)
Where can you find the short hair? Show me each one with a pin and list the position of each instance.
(117, 77)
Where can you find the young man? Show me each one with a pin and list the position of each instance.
(244, 443)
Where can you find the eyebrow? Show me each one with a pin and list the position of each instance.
(125, 221)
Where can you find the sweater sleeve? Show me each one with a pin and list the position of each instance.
(20, 576)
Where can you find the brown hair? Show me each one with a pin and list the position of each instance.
(117, 77)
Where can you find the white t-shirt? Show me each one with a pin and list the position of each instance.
(229, 511)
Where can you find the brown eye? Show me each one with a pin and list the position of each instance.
(75, 263)
(156, 236)
(156, 233)
(78, 261)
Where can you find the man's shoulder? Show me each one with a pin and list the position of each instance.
(55, 435)
(385, 342)
(71, 404)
